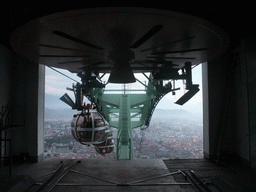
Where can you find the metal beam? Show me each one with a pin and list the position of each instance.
(152, 90)
(125, 145)
(134, 69)
(130, 90)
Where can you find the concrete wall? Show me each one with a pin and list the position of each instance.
(229, 105)
(248, 52)
(22, 83)
(240, 143)
(40, 117)
(5, 87)
(205, 110)
(5, 77)
(216, 79)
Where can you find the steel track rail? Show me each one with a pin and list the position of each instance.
(52, 181)
(109, 181)
(55, 173)
(133, 185)
(157, 177)
(200, 181)
(195, 183)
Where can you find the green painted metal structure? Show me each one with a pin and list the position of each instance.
(128, 110)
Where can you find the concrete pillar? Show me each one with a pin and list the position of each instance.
(216, 83)
(40, 118)
(205, 111)
(35, 111)
(5, 84)
(5, 88)
(22, 83)
(225, 97)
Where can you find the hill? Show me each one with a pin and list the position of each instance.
(59, 113)
(164, 108)
(68, 113)
(171, 113)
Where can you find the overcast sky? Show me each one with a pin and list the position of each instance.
(55, 87)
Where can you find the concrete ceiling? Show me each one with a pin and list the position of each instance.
(235, 18)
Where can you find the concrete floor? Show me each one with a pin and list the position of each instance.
(121, 171)
(103, 175)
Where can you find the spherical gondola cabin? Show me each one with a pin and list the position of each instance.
(105, 147)
(89, 128)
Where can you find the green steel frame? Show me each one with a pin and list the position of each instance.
(128, 110)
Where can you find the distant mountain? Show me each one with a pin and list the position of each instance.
(171, 113)
(68, 113)
(54, 102)
(59, 113)
(195, 110)
(55, 108)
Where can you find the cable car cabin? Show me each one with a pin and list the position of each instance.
(105, 147)
(90, 128)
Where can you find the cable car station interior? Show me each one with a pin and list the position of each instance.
(163, 44)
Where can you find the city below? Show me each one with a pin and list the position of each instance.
(173, 134)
